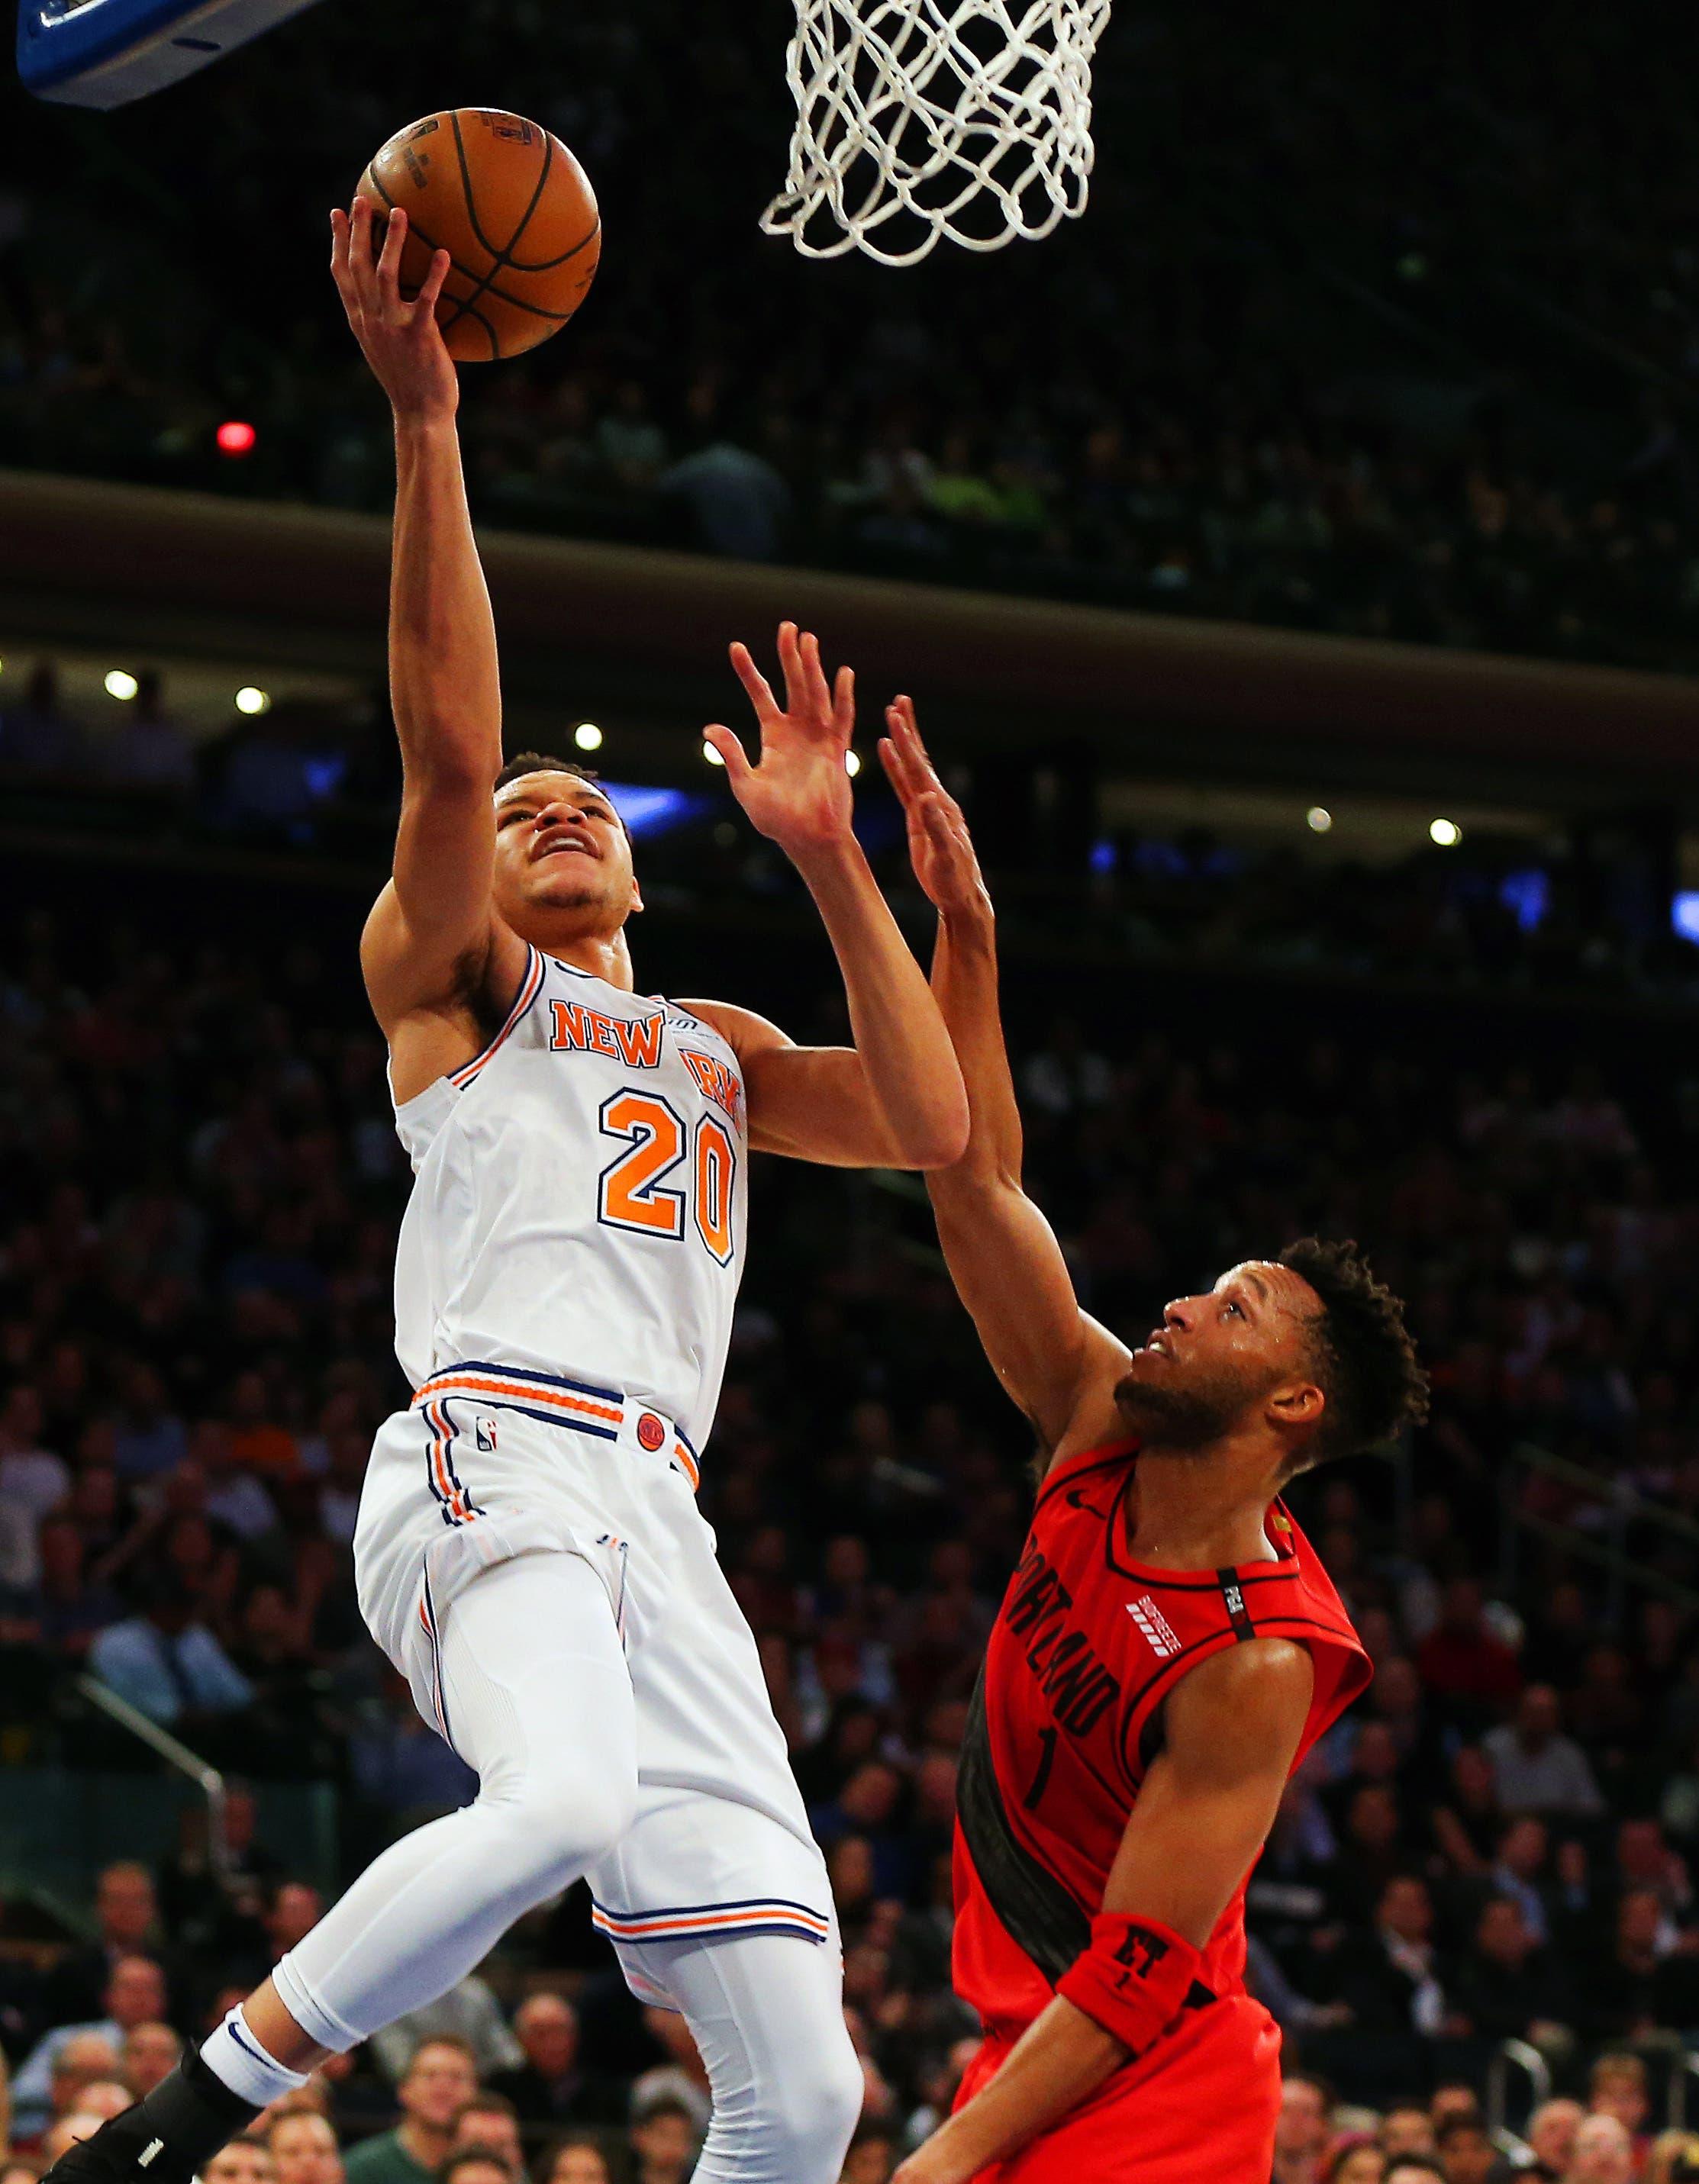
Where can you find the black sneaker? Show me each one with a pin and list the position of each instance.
(167, 2138)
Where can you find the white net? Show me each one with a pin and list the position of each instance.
(921, 119)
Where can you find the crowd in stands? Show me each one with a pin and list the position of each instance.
(195, 1261)
(1389, 328)
(1585, 913)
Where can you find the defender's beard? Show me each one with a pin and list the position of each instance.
(1182, 1418)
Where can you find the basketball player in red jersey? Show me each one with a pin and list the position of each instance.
(1166, 1652)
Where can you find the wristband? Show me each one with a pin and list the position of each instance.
(1134, 1980)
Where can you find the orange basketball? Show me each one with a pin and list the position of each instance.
(512, 208)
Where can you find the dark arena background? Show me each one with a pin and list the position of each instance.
(1294, 562)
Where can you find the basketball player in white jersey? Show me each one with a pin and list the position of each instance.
(529, 1551)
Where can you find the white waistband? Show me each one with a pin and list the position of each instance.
(602, 1414)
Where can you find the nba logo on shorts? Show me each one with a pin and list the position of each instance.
(486, 1436)
(650, 1432)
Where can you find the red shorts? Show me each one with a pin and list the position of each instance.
(1199, 2109)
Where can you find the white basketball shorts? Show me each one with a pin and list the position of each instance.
(490, 1462)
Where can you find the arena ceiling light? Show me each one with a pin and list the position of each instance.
(712, 756)
(588, 736)
(1318, 819)
(251, 699)
(1444, 834)
(120, 682)
(852, 763)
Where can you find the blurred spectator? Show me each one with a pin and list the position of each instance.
(1302, 2134)
(664, 2139)
(441, 2078)
(1389, 1979)
(681, 2080)
(1506, 1986)
(571, 2160)
(475, 2164)
(245, 2160)
(1617, 2086)
(166, 1664)
(303, 2145)
(1551, 2139)
(1603, 2153)
(1407, 2127)
(126, 1915)
(1465, 2152)
(549, 2084)
(151, 2052)
(488, 2121)
(738, 503)
(135, 1994)
(468, 2013)
(1537, 1769)
(1462, 1660)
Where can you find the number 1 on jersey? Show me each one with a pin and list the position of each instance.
(631, 1195)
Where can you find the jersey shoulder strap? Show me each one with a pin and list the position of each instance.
(1198, 1617)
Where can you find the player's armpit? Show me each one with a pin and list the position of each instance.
(455, 955)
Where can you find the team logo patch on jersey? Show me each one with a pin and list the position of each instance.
(650, 1432)
(1156, 1626)
(486, 1436)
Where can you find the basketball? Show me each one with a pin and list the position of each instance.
(515, 213)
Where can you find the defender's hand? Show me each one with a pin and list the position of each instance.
(798, 795)
(940, 847)
(401, 340)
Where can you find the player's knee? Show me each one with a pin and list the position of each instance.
(559, 1820)
(816, 2108)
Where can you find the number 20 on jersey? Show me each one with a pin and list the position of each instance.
(634, 1192)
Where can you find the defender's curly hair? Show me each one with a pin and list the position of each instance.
(1366, 1359)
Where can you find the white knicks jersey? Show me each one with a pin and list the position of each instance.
(580, 1198)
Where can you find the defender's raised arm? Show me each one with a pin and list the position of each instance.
(431, 934)
(894, 1099)
(1056, 1361)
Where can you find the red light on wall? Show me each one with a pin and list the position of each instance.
(236, 439)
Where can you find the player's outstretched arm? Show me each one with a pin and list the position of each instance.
(1203, 1813)
(431, 925)
(1057, 1362)
(895, 1098)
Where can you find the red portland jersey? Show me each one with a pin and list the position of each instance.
(1087, 1646)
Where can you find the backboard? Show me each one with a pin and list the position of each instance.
(106, 52)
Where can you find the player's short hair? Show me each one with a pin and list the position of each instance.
(1365, 1357)
(540, 762)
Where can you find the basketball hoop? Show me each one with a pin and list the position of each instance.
(922, 119)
